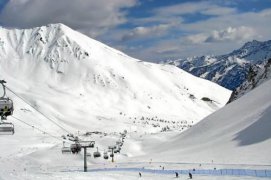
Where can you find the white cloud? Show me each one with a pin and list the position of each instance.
(203, 7)
(197, 38)
(223, 34)
(145, 32)
(90, 16)
(241, 33)
(216, 10)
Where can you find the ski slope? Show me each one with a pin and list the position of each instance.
(239, 133)
(107, 91)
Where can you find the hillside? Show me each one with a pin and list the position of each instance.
(239, 133)
(85, 85)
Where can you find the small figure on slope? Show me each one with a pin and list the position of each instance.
(190, 176)
(177, 174)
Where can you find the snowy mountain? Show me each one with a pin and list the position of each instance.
(239, 133)
(229, 70)
(85, 85)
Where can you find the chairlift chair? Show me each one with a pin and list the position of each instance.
(75, 148)
(91, 145)
(66, 150)
(6, 104)
(6, 128)
(96, 154)
(105, 155)
(112, 147)
(6, 107)
(70, 135)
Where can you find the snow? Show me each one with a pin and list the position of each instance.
(239, 133)
(109, 92)
(232, 67)
(85, 85)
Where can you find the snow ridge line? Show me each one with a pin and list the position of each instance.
(213, 172)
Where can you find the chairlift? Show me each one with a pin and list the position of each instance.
(89, 144)
(116, 150)
(111, 155)
(75, 139)
(112, 147)
(89, 154)
(70, 135)
(96, 154)
(66, 150)
(6, 128)
(6, 109)
(6, 104)
(105, 155)
(75, 148)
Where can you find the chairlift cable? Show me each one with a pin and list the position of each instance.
(38, 110)
(42, 131)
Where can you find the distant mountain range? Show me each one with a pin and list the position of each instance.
(231, 70)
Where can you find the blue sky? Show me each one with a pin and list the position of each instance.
(151, 30)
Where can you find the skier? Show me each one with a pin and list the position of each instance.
(177, 174)
(190, 175)
(139, 174)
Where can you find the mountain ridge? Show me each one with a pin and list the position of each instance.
(229, 70)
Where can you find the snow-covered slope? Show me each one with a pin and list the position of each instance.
(85, 85)
(229, 70)
(239, 133)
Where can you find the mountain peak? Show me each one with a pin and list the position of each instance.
(229, 70)
(252, 43)
(104, 82)
(58, 26)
